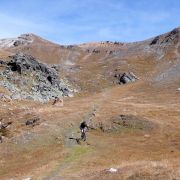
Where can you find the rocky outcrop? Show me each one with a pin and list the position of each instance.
(27, 78)
(32, 122)
(23, 39)
(22, 63)
(124, 78)
(166, 39)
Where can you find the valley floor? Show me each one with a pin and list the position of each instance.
(150, 150)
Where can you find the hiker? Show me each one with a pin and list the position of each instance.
(83, 127)
(58, 101)
(55, 100)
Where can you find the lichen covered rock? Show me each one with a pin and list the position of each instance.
(27, 78)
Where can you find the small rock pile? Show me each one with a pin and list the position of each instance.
(32, 122)
(124, 78)
(4, 97)
(3, 130)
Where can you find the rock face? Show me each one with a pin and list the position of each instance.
(166, 39)
(124, 78)
(21, 63)
(26, 78)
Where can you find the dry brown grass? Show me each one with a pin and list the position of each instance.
(45, 150)
(137, 154)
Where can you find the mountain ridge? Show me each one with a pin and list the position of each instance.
(76, 60)
(32, 35)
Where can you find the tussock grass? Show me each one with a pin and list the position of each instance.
(76, 153)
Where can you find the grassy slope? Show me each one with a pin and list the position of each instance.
(46, 150)
(48, 156)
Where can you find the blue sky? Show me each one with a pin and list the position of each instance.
(78, 21)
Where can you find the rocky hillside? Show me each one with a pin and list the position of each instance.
(90, 64)
(24, 39)
(91, 67)
(26, 78)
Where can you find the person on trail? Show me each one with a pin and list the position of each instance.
(83, 127)
(55, 100)
(58, 101)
